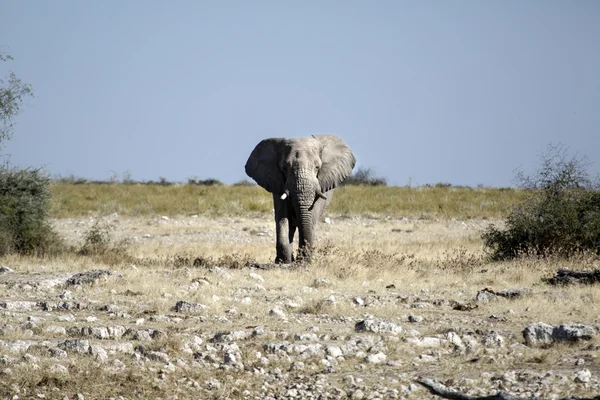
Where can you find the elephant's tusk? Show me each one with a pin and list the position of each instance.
(285, 195)
(321, 195)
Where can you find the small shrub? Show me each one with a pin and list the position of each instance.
(98, 244)
(24, 210)
(560, 215)
(365, 177)
(98, 235)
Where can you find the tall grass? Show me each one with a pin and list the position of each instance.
(76, 200)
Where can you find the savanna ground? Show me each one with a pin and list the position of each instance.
(182, 316)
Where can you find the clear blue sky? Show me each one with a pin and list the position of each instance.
(423, 91)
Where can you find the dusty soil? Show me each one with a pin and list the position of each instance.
(385, 302)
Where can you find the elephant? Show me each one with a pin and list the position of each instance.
(301, 173)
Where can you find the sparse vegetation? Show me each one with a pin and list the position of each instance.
(365, 177)
(560, 214)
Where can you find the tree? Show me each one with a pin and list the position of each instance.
(12, 93)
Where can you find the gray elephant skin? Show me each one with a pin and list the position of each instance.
(301, 173)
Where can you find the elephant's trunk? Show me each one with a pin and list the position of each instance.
(304, 194)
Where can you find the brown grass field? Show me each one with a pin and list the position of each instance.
(411, 257)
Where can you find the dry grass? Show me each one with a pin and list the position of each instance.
(71, 200)
(379, 260)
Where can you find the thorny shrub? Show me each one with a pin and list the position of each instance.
(560, 216)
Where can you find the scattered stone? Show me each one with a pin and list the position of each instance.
(573, 332)
(277, 312)
(377, 326)
(233, 336)
(81, 346)
(5, 270)
(19, 305)
(541, 334)
(358, 301)
(415, 318)
(376, 358)
(461, 306)
(187, 307)
(583, 376)
(306, 337)
(488, 294)
(333, 351)
(246, 300)
(89, 277)
(66, 295)
(98, 353)
(492, 339)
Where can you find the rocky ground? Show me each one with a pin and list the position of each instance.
(76, 328)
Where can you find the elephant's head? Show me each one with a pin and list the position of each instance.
(304, 169)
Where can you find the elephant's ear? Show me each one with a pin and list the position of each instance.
(263, 165)
(338, 161)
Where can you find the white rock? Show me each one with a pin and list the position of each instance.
(98, 353)
(583, 376)
(333, 351)
(377, 326)
(277, 312)
(377, 358)
(493, 339)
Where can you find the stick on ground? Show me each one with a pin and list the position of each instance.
(440, 390)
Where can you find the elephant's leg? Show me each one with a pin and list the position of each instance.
(292, 226)
(283, 245)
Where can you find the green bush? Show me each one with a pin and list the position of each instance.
(560, 215)
(24, 209)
